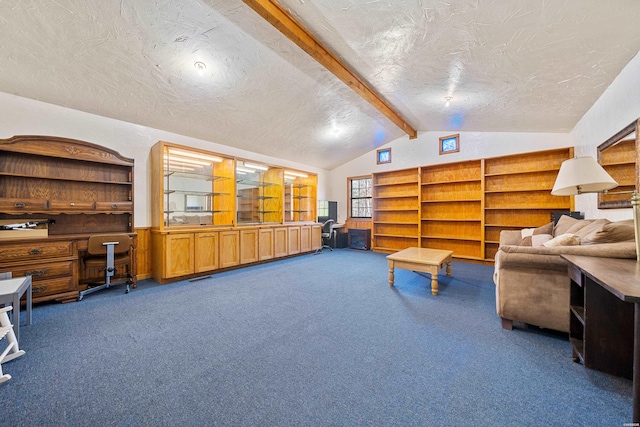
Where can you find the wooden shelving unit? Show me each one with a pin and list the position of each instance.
(396, 209)
(451, 212)
(463, 206)
(517, 193)
(259, 194)
(191, 187)
(300, 198)
(212, 212)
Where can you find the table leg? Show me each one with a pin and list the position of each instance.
(449, 268)
(434, 280)
(29, 299)
(390, 273)
(16, 315)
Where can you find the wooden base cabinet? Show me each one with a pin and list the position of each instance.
(188, 253)
(280, 242)
(206, 251)
(265, 244)
(229, 248)
(249, 246)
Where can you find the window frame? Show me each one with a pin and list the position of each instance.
(350, 181)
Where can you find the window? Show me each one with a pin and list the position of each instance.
(360, 197)
(384, 155)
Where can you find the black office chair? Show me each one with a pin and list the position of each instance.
(327, 235)
(107, 253)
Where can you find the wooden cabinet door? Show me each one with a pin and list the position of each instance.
(229, 245)
(294, 240)
(265, 244)
(305, 238)
(206, 251)
(316, 237)
(179, 255)
(280, 239)
(248, 246)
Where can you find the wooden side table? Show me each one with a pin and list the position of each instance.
(11, 290)
(605, 317)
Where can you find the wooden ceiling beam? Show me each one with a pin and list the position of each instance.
(287, 25)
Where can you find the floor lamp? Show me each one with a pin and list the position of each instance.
(584, 175)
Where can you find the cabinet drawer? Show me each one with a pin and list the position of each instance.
(45, 271)
(70, 206)
(43, 288)
(23, 205)
(35, 250)
(114, 206)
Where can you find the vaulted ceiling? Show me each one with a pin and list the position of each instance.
(216, 70)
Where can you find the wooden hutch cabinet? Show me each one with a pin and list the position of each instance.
(212, 211)
(78, 189)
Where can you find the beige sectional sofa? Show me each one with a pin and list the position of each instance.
(531, 280)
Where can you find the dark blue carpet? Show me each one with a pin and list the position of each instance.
(319, 340)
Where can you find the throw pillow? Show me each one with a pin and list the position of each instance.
(527, 241)
(613, 232)
(594, 225)
(540, 239)
(527, 233)
(563, 240)
(579, 225)
(545, 229)
(564, 223)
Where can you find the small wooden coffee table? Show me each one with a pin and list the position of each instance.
(421, 259)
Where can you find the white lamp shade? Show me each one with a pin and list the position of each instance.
(582, 175)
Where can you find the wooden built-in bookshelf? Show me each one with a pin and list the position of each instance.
(518, 193)
(451, 208)
(396, 208)
(463, 206)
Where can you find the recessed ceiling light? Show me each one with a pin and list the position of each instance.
(200, 66)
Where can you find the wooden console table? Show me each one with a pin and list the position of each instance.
(605, 317)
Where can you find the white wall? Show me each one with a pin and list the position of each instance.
(22, 116)
(423, 151)
(618, 106)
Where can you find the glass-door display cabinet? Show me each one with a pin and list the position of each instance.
(259, 193)
(192, 187)
(300, 196)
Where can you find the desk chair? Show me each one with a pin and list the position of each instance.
(11, 351)
(327, 234)
(105, 254)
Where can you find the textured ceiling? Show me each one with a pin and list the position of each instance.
(509, 66)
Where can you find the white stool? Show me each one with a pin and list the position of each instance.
(12, 351)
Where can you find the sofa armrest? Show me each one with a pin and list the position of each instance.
(529, 259)
(603, 250)
(510, 237)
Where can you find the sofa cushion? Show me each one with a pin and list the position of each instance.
(566, 239)
(612, 232)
